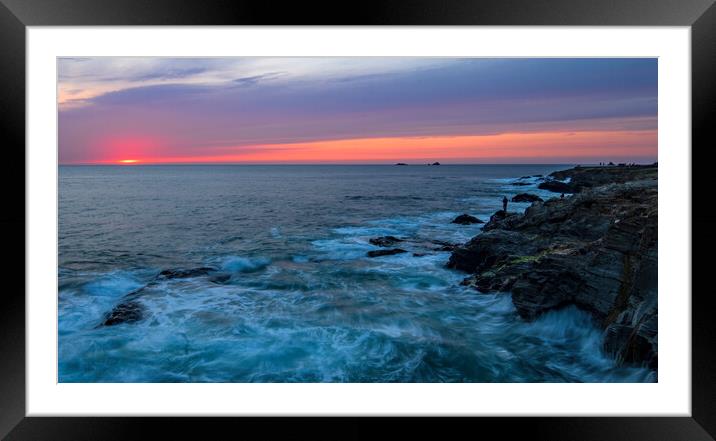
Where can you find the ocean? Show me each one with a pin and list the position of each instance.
(301, 301)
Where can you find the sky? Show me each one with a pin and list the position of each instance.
(140, 110)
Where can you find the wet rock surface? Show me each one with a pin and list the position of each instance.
(499, 218)
(384, 241)
(466, 219)
(185, 273)
(126, 312)
(417, 245)
(596, 249)
(526, 197)
(390, 252)
(131, 310)
(556, 186)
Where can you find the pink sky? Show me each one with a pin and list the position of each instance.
(360, 110)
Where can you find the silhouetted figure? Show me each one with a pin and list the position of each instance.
(504, 204)
(561, 196)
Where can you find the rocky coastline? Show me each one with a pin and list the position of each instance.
(596, 249)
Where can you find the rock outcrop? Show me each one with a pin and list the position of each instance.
(384, 241)
(526, 197)
(466, 219)
(499, 218)
(131, 309)
(556, 186)
(390, 252)
(576, 179)
(418, 246)
(596, 249)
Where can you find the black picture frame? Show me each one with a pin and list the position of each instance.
(16, 15)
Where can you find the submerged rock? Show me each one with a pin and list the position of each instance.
(384, 241)
(526, 197)
(596, 250)
(130, 310)
(126, 312)
(185, 273)
(466, 219)
(378, 253)
(220, 278)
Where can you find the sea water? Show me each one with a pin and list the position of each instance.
(303, 303)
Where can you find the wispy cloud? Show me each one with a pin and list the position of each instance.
(198, 105)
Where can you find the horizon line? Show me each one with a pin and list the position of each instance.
(392, 164)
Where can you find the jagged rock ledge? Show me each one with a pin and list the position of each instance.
(596, 249)
(576, 179)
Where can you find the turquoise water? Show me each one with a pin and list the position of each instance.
(303, 302)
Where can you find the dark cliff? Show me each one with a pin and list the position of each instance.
(596, 249)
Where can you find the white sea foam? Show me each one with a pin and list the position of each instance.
(238, 264)
(305, 302)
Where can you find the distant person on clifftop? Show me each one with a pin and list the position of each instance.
(504, 204)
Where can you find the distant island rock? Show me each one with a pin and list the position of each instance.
(596, 250)
(435, 163)
(401, 163)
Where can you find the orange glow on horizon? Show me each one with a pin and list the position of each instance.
(507, 147)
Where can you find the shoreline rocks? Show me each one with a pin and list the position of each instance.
(556, 186)
(499, 218)
(596, 249)
(526, 197)
(576, 179)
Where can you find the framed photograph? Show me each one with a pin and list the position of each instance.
(423, 210)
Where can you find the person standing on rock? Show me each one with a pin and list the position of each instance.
(504, 204)
(561, 196)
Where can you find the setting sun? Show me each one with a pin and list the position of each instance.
(128, 161)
